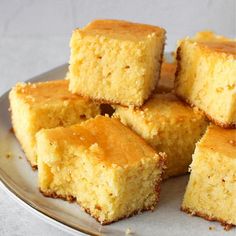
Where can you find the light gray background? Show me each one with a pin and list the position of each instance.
(34, 37)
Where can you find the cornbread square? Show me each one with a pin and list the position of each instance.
(168, 126)
(167, 78)
(116, 61)
(45, 105)
(110, 171)
(211, 191)
(206, 76)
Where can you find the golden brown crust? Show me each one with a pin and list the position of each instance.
(121, 218)
(227, 226)
(113, 27)
(218, 123)
(68, 198)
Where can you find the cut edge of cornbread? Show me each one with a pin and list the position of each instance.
(210, 118)
(201, 38)
(48, 167)
(213, 137)
(71, 199)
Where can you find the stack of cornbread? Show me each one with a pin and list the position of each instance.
(120, 122)
(206, 78)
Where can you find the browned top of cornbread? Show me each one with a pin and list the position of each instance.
(39, 92)
(110, 141)
(168, 106)
(121, 29)
(220, 140)
(210, 36)
(218, 43)
(222, 47)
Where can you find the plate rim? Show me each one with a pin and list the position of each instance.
(40, 213)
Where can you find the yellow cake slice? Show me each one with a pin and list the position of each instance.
(168, 126)
(211, 191)
(116, 61)
(109, 170)
(206, 76)
(167, 78)
(45, 105)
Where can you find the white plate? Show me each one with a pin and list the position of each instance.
(18, 179)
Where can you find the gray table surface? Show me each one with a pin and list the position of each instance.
(34, 37)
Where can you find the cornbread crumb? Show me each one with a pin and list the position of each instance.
(116, 61)
(112, 172)
(212, 228)
(45, 105)
(128, 231)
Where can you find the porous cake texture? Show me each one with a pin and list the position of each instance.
(116, 61)
(45, 105)
(211, 191)
(110, 171)
(168, 126)
(206, 76)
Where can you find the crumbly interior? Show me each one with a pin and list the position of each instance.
(29, 118)
(207, 79)
(169, 126)
(118, 71)
(107, 192)
(211, 190)
(22, 125)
